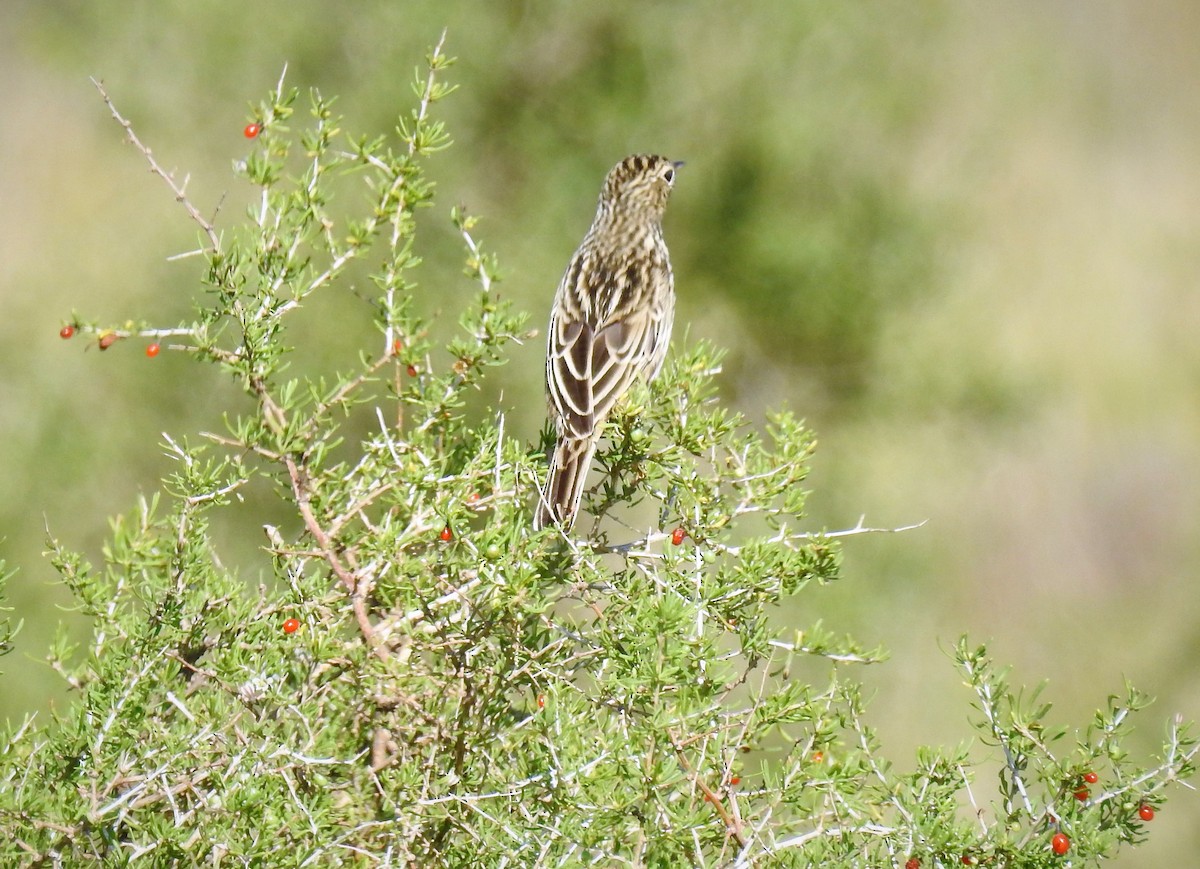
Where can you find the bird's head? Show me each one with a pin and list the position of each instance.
(639, 186)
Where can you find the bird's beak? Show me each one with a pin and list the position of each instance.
(677, 163)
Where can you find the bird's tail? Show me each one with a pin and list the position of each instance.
(559, 501)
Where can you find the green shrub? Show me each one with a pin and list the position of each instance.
(421, 679)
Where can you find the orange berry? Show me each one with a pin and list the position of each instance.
(1146, 813)
(152, 350)
(66, 332)
(446, 534)
(677, 536)
(291, 626)
(252, 130)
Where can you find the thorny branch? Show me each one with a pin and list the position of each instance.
(178, 189)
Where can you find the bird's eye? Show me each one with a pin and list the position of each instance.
(669, 175)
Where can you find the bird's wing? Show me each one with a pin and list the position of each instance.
(619, 353)
(600, 339)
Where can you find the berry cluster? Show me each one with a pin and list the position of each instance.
(1060, 842)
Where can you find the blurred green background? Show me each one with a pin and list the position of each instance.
(960, 239)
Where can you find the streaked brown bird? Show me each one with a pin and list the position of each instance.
(610, 324)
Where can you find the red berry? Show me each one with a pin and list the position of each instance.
(397, 346)
(252, 130)
(541, 701)
(1060, 843)
(735, 780)
(818, 756)
(446, 534)
(912, 863)
(412, 371)
(1082, 794)
(1091, 778)
(291, 626)
(107, 340)
(473, 498)
(968, 860)
(152, 350)
(1146, 813)
(66, 332)
(677, 536)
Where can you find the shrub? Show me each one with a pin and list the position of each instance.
(422, 679)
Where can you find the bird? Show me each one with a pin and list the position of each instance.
(610, 323)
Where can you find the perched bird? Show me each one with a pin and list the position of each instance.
(610, 324)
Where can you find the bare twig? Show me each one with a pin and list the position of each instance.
(178, 189)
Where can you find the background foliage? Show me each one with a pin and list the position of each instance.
(971, 229)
